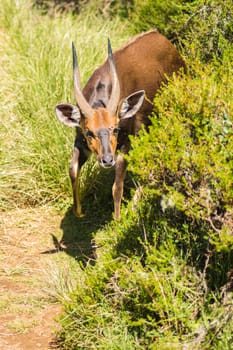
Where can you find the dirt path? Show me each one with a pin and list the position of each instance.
(27, 312)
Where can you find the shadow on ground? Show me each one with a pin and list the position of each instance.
(78, 233)
(77, 238)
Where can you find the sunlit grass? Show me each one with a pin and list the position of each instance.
(21, 326)
(60, 278)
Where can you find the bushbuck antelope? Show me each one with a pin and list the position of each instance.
(112, 106)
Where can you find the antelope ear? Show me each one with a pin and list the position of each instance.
(68, 114)
(131, 104)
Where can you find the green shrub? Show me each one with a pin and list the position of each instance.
(187, 155)
(208, 25)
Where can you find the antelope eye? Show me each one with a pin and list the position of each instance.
(116, 131)
(90, 134)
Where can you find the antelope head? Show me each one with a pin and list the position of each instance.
(100, 126)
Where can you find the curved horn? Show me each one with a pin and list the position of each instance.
(80, 99)
(115, 95)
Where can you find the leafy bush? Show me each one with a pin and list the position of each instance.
(208, 25)
(187, 155)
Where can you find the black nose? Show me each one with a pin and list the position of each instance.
(107, 160)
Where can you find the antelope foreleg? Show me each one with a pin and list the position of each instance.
(74, 177)
(118, 186)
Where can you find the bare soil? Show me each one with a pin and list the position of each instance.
(28, 315)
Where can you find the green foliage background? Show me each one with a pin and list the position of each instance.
(162, 275)
(205, 24)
